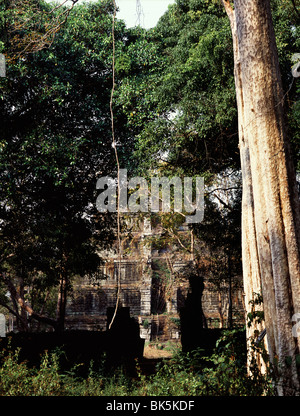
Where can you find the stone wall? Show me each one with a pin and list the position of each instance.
(87, 307)
(91, 298)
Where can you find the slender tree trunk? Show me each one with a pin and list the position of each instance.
(61, 303)
(23, 312)
(270, 207)
(21, 325)
(221, 325)
(19, 302)
(230, 321)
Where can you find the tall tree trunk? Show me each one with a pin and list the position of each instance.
(61, 303)
(19, 301)
(23, 312)
(229, 320)
(270, 207)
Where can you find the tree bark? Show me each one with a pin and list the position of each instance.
(18, 299)
(61, 303)
(270, 206)
(230, 318)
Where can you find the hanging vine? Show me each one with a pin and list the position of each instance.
(114, 145)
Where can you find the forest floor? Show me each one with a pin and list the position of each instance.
(154, 350)
(153, 353)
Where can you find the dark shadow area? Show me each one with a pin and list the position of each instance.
(195, 335)
(125, 343)
(194, 331)
(119, 346)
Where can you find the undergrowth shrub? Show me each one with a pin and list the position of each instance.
(224, 373)
(15, 377)
(18, 379)
(228, 374)
(47, 381)
(185, 374)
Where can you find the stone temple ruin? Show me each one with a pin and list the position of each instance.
(152, 286)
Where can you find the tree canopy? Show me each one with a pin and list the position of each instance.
(56, 140)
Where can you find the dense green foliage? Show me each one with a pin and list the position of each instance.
(222, 374)
(55, 140)
(196, 95)
(195, 129)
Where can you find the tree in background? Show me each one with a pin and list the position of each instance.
(195, 125)
(56, 141)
